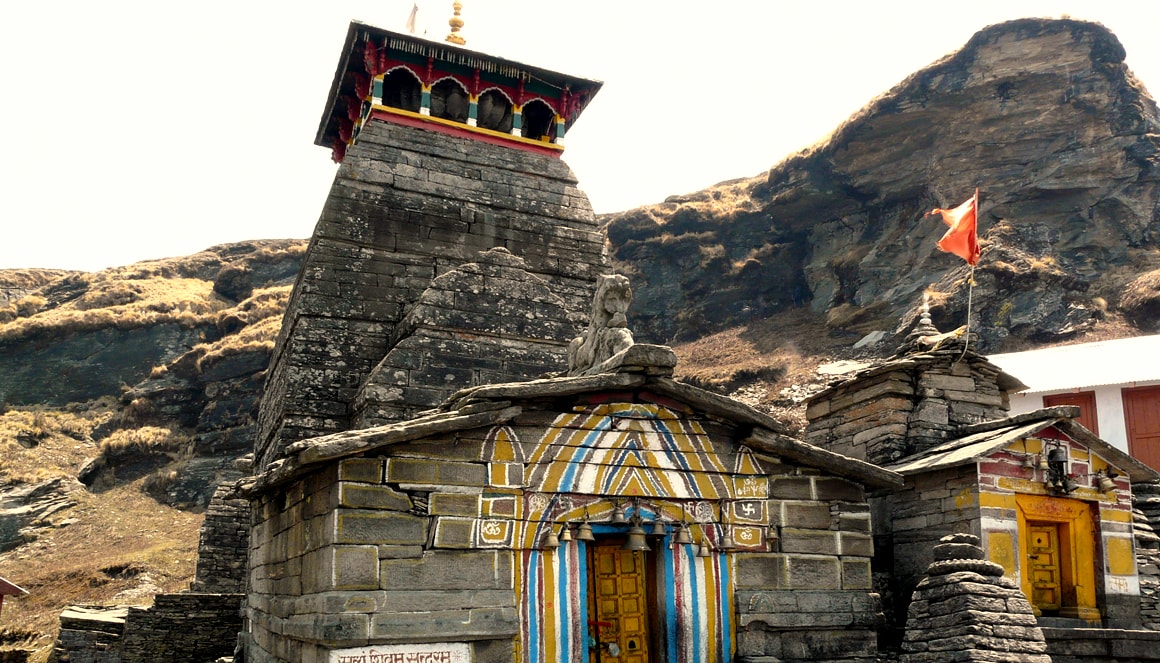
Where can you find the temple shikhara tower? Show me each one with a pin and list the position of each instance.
(444, 153)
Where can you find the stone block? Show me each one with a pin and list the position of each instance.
(860, 545)
(760, 572)
(336, 630)
(400, 552)
(791, 488)
(379, 527)
(371, 496)
(453, 504)
(942, 381)
(856, 574)
(819, 542)
(445, 570)
(812, 572)
(434, 624)
(435, 472)
(806, 515)
(340, 567)
(451, 532)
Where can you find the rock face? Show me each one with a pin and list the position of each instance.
(1042, 115)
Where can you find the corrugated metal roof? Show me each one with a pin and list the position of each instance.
(1122, 361)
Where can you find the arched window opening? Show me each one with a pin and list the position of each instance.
(495, 111)
(449, 100)
(538, 120)
(402, 90)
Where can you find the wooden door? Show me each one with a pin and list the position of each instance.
(618, 613)
(1044, 566)
(1142, 416)
(1085, 401)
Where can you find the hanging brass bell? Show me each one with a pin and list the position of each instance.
(618, 515)
(1043, 466)
(703, 550)
(1106, 484)
(658, 528)
(551, 542)
(565, 533)
(635, 540)
(682, 536)
(727, 543)
(584, 532)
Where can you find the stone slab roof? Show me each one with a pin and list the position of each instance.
(983, 439)
(906, 362)
(640, 367)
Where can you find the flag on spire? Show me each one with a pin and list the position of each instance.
(962, 237)
(411, 20)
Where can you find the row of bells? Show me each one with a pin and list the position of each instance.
(636, 537)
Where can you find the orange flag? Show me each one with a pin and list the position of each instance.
(962, 238)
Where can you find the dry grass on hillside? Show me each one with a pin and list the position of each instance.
(119, 304)
(120, 545)
(123, 548)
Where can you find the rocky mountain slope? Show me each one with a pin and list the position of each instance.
(1042, 115)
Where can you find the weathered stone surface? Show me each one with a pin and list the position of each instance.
(1060, 204)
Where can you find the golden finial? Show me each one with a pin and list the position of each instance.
(456, 24)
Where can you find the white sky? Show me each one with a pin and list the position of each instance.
(137, 130)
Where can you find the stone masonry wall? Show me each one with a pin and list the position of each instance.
(910, 522)
(811, 597)
(341, 557)
(905, 406)
(223, 545)
(406, 206)
(183, 628)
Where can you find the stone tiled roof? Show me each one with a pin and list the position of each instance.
(980, 440)
(640, 367)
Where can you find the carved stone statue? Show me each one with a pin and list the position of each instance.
(607, 333)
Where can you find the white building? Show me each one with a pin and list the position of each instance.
(1116, 384)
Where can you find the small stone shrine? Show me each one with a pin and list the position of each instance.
(1050, 501)
(965, 610)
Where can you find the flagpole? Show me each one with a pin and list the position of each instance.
(970, 289)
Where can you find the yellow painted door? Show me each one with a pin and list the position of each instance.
(1043, 566)
(619, 610)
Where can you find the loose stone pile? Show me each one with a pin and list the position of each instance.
(965, 610)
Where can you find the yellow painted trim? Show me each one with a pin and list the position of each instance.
(1116, 516)
(1001, 550)
(1121, 556)
(997, 500)
(1077, 560)
(465, 127)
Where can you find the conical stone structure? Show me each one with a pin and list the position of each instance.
(965, 610)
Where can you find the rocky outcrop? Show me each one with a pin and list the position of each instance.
(80, 336)
(26, 509)
(1042, 115)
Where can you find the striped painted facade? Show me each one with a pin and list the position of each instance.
(589, 462)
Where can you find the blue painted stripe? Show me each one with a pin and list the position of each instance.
(725, 608)
(532, 580)
(695, 611)
(580, 456)
(670, 615)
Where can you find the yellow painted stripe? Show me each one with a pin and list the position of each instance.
(998, 500)
(1116, 516)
